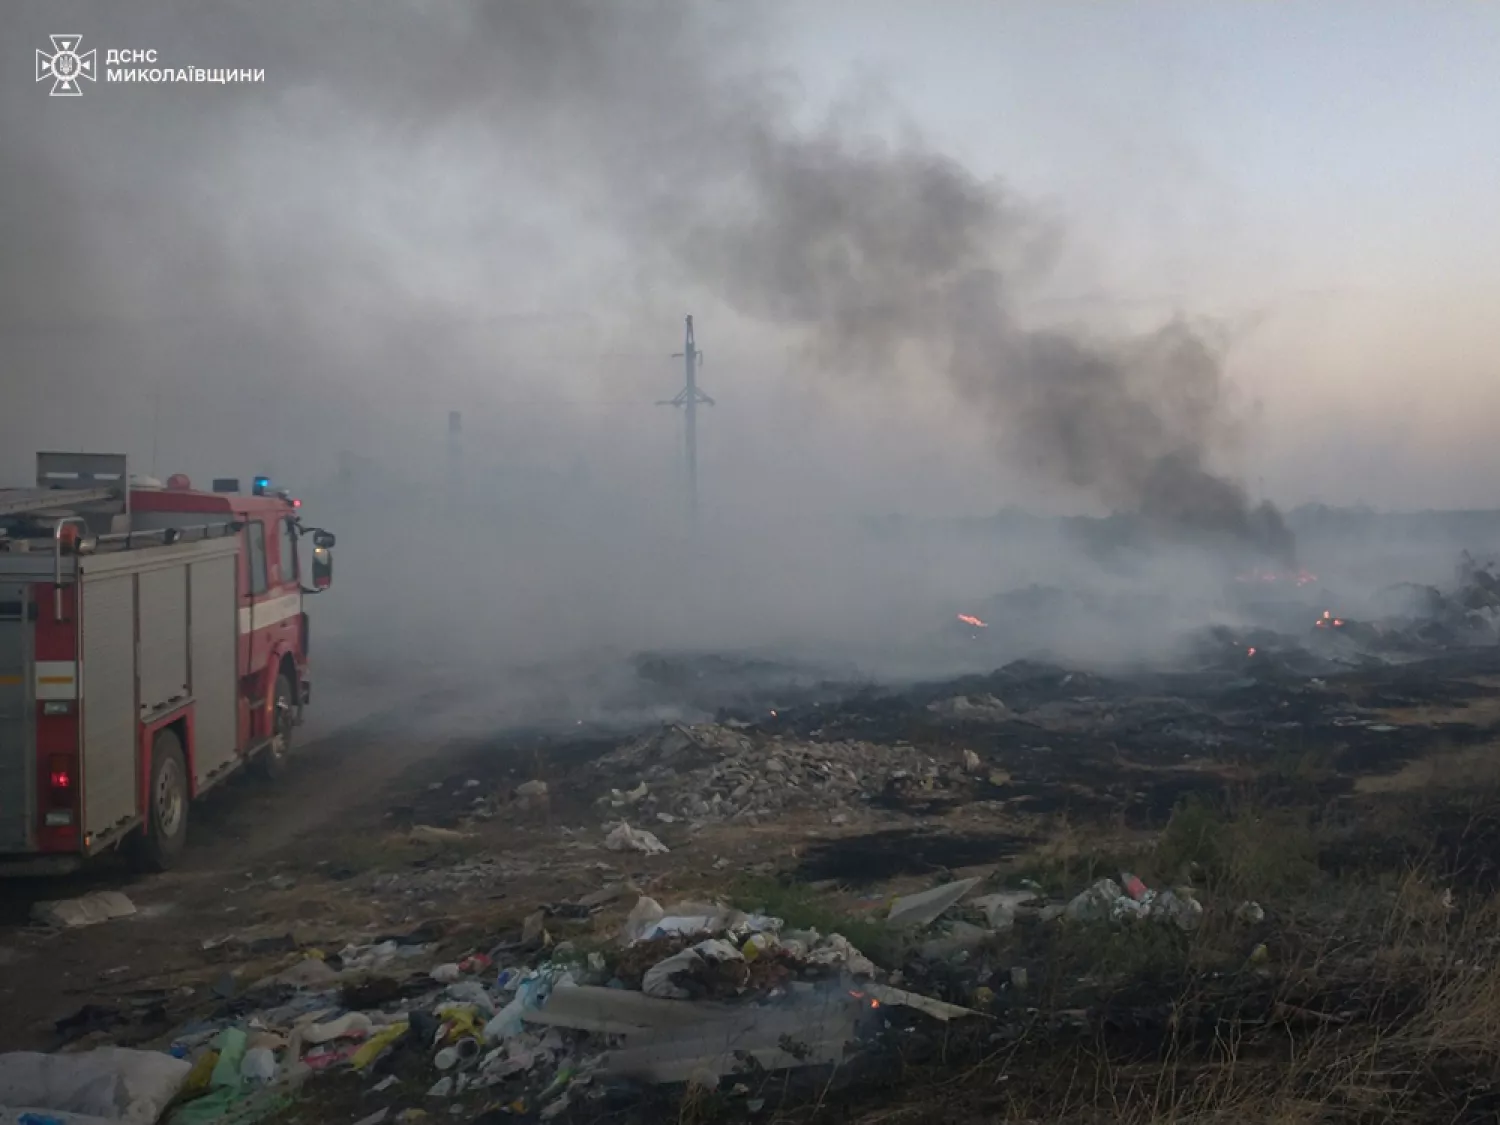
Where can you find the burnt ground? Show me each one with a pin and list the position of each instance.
(1359, 805)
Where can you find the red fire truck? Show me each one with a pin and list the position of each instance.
(153, 640)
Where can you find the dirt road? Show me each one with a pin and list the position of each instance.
(333, 792)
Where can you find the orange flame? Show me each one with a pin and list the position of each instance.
(1250, 651)
(970, 619)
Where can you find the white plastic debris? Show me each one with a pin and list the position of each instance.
(633, 797)
(351, 1025)
(112, 1083)
(1097, 903)
(1250, 913)
(1106, 900)
(531, 995)
(431, 834)
(258, 1065)
(644, 915)
(999, 909)
(926, 907)
(446, 973)
(658, 979)
(89, 910)
(623, 838)
(1181, 909)
(472, 992)
(531, 790)
(836, 950)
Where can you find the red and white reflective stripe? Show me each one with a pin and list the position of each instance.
(56, 679)
(270, 611)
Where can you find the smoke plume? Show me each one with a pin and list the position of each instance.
(291, 221)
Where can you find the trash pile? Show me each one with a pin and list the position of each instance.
(696, 992)
(1108, 900)
(712, 773)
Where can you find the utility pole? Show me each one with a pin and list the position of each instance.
(688, 398)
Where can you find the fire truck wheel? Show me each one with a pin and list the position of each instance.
(271, 762)
(162, 838)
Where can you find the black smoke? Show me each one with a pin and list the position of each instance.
(246, 215)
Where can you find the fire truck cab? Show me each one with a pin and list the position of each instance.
(153, 640)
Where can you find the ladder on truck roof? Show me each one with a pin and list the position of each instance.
(68, 481)
(29, 501)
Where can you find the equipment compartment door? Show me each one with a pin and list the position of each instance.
(163, 640)
(214, 630)
(110, 756)
(17, 736)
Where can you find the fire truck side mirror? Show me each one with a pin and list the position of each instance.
(322, 538)
(322, 568)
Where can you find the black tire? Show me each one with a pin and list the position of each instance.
(164, 835)
(271, 762)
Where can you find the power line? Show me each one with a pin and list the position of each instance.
(688, 398)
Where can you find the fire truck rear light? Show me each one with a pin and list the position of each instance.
(57, 707)
(59, 819)
(60, 775)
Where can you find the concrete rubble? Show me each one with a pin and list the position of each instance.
(712, 773)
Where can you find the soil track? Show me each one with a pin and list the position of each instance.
(331, 793)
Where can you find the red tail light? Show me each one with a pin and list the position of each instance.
(60, 774)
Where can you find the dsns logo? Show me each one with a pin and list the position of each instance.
(66, 66)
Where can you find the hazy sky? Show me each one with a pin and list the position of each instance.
(319, 259)
(1322, 174)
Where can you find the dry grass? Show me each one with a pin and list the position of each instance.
(1370, 999)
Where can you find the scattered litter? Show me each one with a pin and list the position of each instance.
(88, 910)
(675, 977)
(983, 708)
(1000, 909)
(429, 834)
(899, 997)
(531, 790)
(925, 908)
(1107, 900)
(113, 1083)
(624, 838)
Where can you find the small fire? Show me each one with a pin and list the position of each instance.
(1329, 621)
(860, 996)
(1250, 651)
(970, 619)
